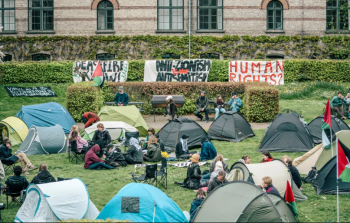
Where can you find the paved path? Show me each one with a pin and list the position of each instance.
(161, 121)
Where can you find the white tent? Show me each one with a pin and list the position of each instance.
(115, 129)
(57, 201)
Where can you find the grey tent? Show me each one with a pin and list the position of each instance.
(230, 126)
(315, 127)
(241, 201)
(171, 133)
(44, 140)
(287, 134)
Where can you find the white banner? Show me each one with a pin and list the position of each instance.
(116, 71)
(271, 72)
(177, 70)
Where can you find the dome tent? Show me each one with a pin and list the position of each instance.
(254, 205)
(140, 202)
(230, 126)
(46, 115)
(287, 134)
(171, 133)
(13, 128)
(115, 129)
(57, 201)
(316, 131)
(44, 140)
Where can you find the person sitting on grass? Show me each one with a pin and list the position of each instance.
(197, 202)
(217, 181)
(89, 118)
(82, 144)
(93, 162)
(267, 185)
(213, 164)
(101, 137)
(43, 175)
(202, 106)
(7, 157)
(294, 171)
(17, 171)
(193, 179)
(171, 108)
(134, 154)
(114, 157)
(266, 157)
(235, 102)
(337, 104)
(208, 151)
(245, 159)
(182, 148)
(219, 105)
(153, 152)
(151, 132)
(121, 98)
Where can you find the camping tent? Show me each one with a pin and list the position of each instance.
(171, 133)
(254, 173)
(46, 115)
(142, 203)
(230, 126)
(44, 140)
(13, 128)
(315, 127)
(287, 134)
(128, 114)
(326, 180)
(115, 129)
(319, 156)
(241, 201)
(57, 201)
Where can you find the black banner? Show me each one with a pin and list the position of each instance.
(30, 92)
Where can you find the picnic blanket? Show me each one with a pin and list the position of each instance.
(203, 188)
(186, 164)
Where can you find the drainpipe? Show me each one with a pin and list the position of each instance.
(189, 28)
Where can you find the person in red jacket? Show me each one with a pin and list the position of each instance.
(89, 118)
(266, 157)
(92, 161)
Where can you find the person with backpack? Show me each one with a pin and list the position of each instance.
(153, 152)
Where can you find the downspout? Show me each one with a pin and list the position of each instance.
(189, 28)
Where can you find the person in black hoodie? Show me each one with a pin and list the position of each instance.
(197, 202)
(217, 181)
(194, 174)
(294, 171)
(182, 148)
(202, 106)
(101, 137)
(43, 175)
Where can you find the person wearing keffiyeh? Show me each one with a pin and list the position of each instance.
(134, 154)
(182, 148)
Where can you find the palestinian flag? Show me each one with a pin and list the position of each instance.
(343, 165)
(98, 76)
(289, 198)
(326, 126)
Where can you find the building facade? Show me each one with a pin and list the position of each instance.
(171, 17)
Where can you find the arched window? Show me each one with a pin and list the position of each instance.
(274, 16)
(7, 15)
(105, 56)
(40, 57)
(105, 20)
(40, 14)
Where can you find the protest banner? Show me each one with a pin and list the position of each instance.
(30, 91)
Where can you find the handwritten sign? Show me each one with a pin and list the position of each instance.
(30, 92)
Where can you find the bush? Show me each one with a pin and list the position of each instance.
(83, 97)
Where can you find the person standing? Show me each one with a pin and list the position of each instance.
(121, 98)
(171, 108)
(337, 104)
(219, 106)
(235, 102)
(89, 118)
(202, 106)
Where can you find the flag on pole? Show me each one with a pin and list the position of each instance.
(326, 126)
(289, 198)
(98, 76)
(343, 164)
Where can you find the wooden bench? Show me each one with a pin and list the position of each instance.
(139, 105)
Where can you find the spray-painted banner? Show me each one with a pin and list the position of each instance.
(116, 71)
(177, 70)
(271, 72)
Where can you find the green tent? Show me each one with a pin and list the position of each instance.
(241, 201)
(128, 114)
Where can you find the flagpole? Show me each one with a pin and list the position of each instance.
(332, 141)
(337, 183)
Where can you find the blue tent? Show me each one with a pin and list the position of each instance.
(142, 203)
(46, 115)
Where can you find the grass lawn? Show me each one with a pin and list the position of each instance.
(103, 185)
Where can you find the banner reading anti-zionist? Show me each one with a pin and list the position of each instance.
(116, 71)
(271, 72)
(177, 70)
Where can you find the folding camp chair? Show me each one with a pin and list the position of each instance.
(163, 174)
(74, 154)
(9, 165)
(149, 177)
(63, 179)
(128, 136)
(44, 181)
(16, 190)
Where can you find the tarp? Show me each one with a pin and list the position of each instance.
(46, 115)
(230, 126)
(13, 128)
(142, 203)
(128, 114)
(57, 201)
(115, 129)
(44, 140)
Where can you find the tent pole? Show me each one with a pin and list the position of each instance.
(154, 213)
(332, 142)
(337, 184)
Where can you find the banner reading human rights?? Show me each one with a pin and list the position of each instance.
(271, 72)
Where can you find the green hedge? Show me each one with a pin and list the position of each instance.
(61, 72)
